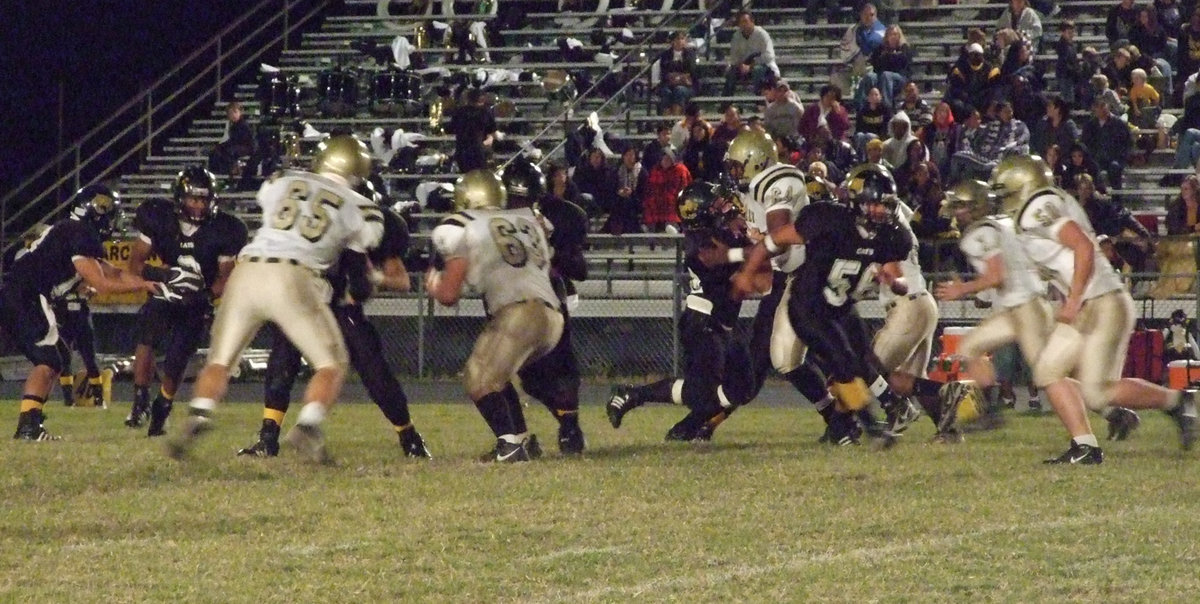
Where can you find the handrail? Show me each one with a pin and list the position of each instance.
(278, 17)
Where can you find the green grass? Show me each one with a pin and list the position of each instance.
(761, 514)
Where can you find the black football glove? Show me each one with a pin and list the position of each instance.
(180, 285)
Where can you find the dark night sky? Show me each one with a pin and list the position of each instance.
(103, 51)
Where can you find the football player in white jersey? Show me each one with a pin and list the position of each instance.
(904, 344)
(989, 241)
(308, 219)
(1095, 319)
(503, 256)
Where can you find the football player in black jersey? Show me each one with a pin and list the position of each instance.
(554, 378)
(352, 283)
(196, 243)
(69, 251)
(717, 376)
(847, 249)
(74, 317)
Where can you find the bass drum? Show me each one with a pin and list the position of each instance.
(337, 92)
(279, 95)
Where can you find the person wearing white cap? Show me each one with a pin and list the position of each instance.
(972, 81)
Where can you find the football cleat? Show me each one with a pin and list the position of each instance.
(197, 423)
(902, 415)
(1084, 455)
(309, 441)
(1185, 418)
(413, 445)
(506, 452)
(30, 428)
(570, 440)
(622, 401)
(841, 430)
(1035, 404)
(687, 429)
(878, 434)
(160, 409)
(959, 401)
(1122, 422)
(949, 436)
(137, 414)
(268, 441)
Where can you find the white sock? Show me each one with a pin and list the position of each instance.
(677, 392)
(823, 403)
(1174, 398)
(204, 404)
(725, 404)
(311, 414)
(1087, 439)
(513, 439)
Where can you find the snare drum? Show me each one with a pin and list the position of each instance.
(337, 86)
(279, 95)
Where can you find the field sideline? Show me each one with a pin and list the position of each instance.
(763, 513)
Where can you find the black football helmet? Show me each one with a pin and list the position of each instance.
(869, 186)
(704, 206)
(524, 180)
(195, 182)
(96, 205)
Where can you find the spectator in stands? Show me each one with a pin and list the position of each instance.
(1103, 93)
(914, 155)
(924, 195)
(677, 75)
(812, 10)
(653, 150)
(1144, 102)
(973, 83)
(917, 108)
(1022, 19)
(941, 137)
(473, 125)
(1120, 22)
(1183, 214)
(663, 185)
(1018, 63)
(826, 110)
(1149, 37)
(790, 150)
(1054, 158)
(237, 142)
(891, 66)
(560, 185)
(1187, 129)
(1108, 141)
(1080, 162)
(871, 122)
(1028, 105)
(730, 125)
(751, 55)
(754, 123)
(1130, 237)
(895, 148)
(858, 43)
(703, 159)
(1092, 65)
(683, 128)
(1119, 70)
(783, 112)
(596, 182)
(875, 155)
(1055, 128)
(976, 156)
(1187, 61)
(623, 216)
(1068, 70)
(836, 153)
(1170, 16)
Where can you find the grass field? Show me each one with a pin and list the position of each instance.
(762, 514)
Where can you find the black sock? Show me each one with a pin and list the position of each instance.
(924, 387)
(656, 392)
(514, 409)
(141, 397)
(932, 405)
(567, 420)
(494, 409)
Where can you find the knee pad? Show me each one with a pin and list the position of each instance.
(479, 382)
(1058, 357)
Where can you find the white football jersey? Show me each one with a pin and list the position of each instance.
(507, 254)
(1038, 226)
(309, 218)
(996, 235)
(780, 187)
(911, 265)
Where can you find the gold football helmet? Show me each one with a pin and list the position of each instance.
(480, 190)
(1016, 177)
(971, 195)
(343, 156)
(749, 153)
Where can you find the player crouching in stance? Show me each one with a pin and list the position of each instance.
(69, 251)
(1095, 320)
(504, 256)
(308, 219)
(351, 282)
(847, 248)
(717, 369)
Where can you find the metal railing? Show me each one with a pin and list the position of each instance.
(129, 134)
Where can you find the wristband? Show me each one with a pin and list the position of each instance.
(736, 255)
(771, 246)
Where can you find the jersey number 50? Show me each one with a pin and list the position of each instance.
(312, 226)
(514, 249)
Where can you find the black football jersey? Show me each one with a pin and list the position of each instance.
(567, 238)
(842, 256)
(195, 247)
(393, 244)
(48, 267)
(712, 284)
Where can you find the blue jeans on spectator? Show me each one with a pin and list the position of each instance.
(1188, 151)
(758, 75)
(674, 95)
(889, 84)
